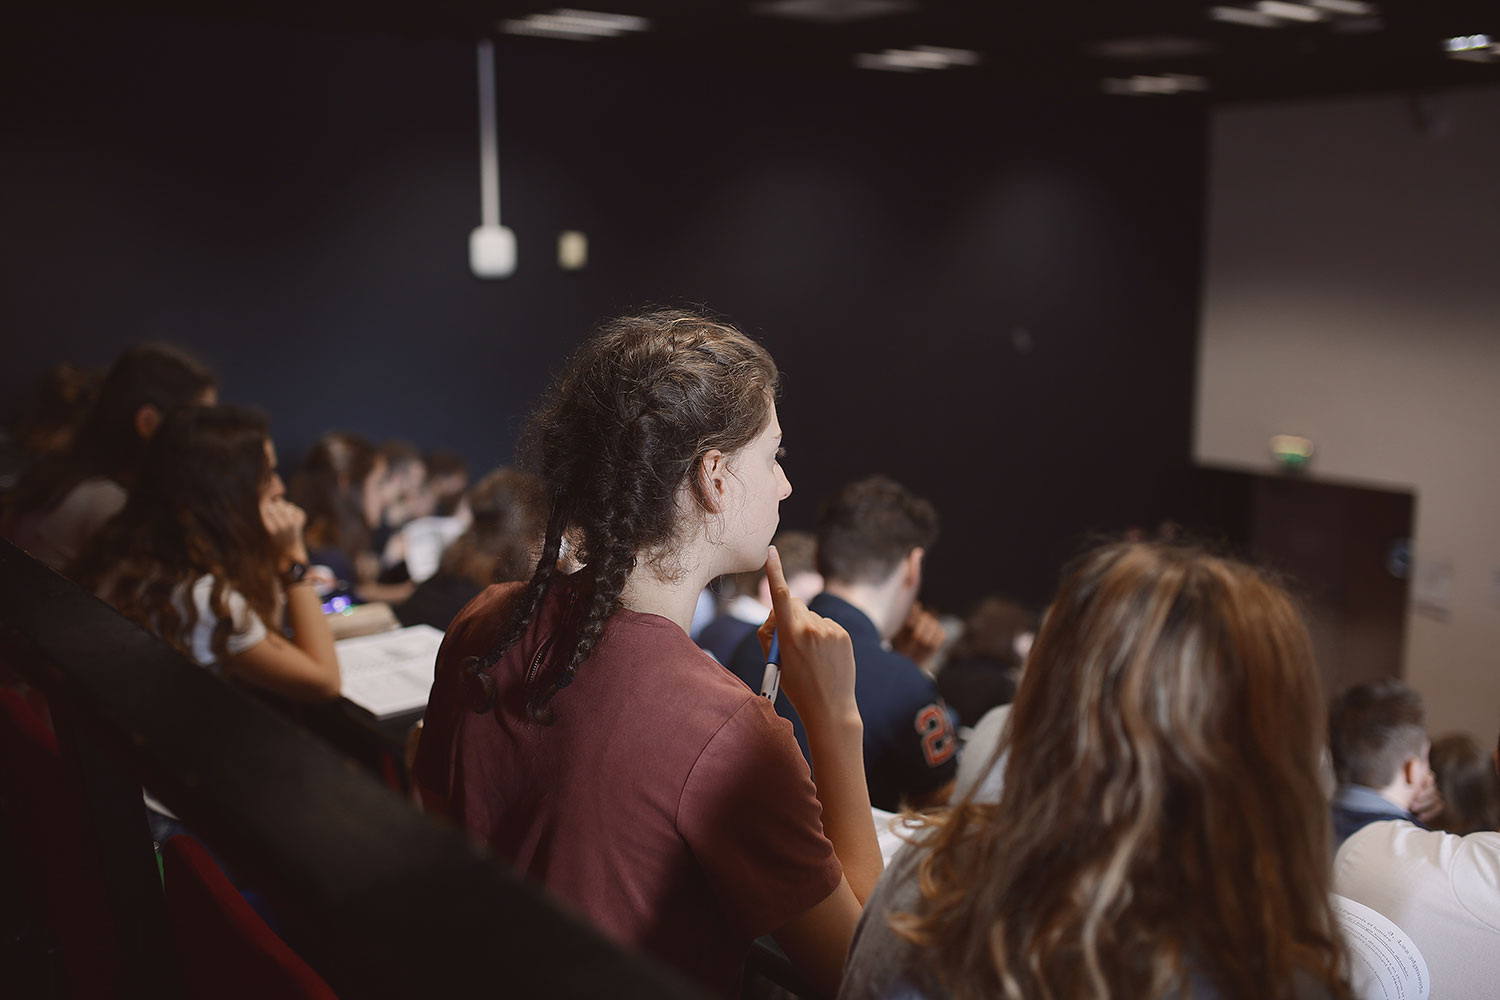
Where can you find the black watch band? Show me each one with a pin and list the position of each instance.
(294, 574)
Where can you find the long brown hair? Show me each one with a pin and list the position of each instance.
(194, 511)
(1161, 818)
(616, 442)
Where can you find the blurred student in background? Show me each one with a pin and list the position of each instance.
(507, 520)
(69, 495)
(1468, 786)
(208, 554)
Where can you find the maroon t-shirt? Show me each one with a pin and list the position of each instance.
(666, 801)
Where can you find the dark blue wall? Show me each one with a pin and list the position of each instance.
(295, 207)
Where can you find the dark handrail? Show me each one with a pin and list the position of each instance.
(382, 900)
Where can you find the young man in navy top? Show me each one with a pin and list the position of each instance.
(872, 537)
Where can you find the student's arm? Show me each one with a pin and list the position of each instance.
(817, 674)
(304, 668)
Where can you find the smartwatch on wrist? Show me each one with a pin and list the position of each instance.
(294, 574)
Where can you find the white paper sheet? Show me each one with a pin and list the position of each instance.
(390, 672)
(1384, 963)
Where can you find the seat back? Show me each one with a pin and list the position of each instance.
(53, 860)
(227, 951)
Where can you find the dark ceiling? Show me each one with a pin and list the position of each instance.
(1067, 46)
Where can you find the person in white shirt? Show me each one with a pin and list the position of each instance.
(1442, 889)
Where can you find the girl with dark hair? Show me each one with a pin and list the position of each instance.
(578, 730)
(67, 497)
(1161, 832)
(507, 512)
(207, 552)
(1467, 784)
(338, 484)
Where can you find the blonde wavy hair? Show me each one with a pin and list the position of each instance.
(1161, 820)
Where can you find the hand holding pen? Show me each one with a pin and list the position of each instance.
(812, 656)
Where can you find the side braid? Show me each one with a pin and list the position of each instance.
(481, 686)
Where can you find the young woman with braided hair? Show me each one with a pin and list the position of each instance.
(578, 730)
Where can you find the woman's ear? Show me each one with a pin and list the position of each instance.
(713, 475)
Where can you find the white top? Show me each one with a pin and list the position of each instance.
(1443, 890)
(246, 629)
(974, 767)
(57, 535)
(425, 540)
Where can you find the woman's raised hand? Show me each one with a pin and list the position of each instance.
(817, 658)
(284, 521)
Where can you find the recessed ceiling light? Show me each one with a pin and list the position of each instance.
(578, 25)
(833, 11)
(920, 58)
(1242, 15)
(1348, 8)
(1291, 11)
(1143, 85)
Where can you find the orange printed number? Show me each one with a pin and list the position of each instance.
(937, 735)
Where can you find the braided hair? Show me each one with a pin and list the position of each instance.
(617, 442)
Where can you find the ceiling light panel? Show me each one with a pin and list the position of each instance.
(1242, 15)
(1162, 84)
(576, 25)
(1291, 11)
(923, 57)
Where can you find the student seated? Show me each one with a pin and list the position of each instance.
(420, 543)
(984, 663)
(576, 728)
(1161, 832)
(872, 537)
(1468, 786)
(208, 554)
(508, 517)
(68, 496)
(1442, 889)
(1378, 736)
(340, 485)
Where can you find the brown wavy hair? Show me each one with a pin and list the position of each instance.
(330, 487)
(509, 510)
(616, 441)
(1161, 819)
(194, 511)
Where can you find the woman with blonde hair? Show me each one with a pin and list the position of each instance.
(1161, 832)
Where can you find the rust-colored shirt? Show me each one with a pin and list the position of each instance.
(667, 802)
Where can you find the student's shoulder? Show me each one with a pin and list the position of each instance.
(482, 617)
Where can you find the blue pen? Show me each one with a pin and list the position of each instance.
(772, 679)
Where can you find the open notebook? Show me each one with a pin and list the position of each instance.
(390, 672)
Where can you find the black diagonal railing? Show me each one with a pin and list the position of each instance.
(382, 900)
